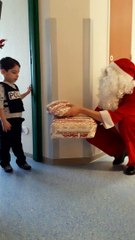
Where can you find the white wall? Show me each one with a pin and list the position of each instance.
(14, 28)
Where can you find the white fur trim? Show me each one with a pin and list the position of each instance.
(107, 121)
(117, 68)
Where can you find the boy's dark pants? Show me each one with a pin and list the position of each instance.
(11, 139)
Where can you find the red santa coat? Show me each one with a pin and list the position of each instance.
(114, 141)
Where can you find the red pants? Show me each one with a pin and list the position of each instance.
(127, 131)
(114, 142)
(108, 140)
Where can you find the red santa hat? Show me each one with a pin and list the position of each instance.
(125, 67)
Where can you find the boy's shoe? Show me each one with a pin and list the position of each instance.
(23, 165)
(130, 170)
(7, 168)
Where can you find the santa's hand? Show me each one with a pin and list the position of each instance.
(73, 111)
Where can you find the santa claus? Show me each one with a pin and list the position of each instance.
(115, 113)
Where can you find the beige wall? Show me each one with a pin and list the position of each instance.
(68, 17)
(75, 49)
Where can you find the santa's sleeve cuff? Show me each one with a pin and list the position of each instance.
(107, 120)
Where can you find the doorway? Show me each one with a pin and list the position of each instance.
(36, 79)
(19, 26)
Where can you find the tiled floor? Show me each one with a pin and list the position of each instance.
(93, 202)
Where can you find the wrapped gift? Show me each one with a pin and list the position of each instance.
(73, 127)
(58, 108)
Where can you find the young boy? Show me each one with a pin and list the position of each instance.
(11, 108)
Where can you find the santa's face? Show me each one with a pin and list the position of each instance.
(112, 87)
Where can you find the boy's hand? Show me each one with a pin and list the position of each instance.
(6, 126)
(23, 95)
(29, 89)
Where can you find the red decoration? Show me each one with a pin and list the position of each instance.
(2, 43)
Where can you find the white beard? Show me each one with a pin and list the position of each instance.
(112, 87)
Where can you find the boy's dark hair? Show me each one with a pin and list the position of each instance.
(8, 63)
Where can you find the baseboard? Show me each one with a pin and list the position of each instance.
(72, 161)
(29, 155)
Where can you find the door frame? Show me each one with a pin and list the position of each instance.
(33, 19)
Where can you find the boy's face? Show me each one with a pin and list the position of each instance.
(11, 75)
